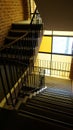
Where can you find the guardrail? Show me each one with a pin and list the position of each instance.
(54, 68)
(15, 58)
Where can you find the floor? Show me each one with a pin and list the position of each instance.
(60, 83)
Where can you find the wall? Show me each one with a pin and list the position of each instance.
(11, 11)
(72, 86)
(56, 14)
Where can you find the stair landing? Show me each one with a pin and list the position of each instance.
(23, 22)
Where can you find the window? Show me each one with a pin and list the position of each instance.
(56, 53)
(46, 44)
(62, 45)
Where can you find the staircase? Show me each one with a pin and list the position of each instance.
(17, 56)
(49, 108)
(27, 106)
(19, 29)
(26, 45)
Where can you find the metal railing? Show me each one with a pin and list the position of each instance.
(36, 78)
(54, 68)
(35, 17)
(15, 59)
(16, 63)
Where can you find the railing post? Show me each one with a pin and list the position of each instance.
(5, 94)
(9, 89)
(12, 80)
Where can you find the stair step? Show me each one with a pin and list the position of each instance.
(16, 57)
(57, 94)
(18, 121)
(59, 117)
(51, 105)
(58, 91)
(53, 101)
(22, 52)
(27, 26)
(49, 95)
(20, 47)
(39, 122)
(18, 33)
(14, 61)
(37, 104)
(24, 40)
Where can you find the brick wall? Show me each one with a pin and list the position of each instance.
(11, 11)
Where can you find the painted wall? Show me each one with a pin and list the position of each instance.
(56, 14)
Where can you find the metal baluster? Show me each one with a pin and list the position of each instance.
(12, 80)
(5, 94)
(9, 89)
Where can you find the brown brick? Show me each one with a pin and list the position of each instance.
(10, 12)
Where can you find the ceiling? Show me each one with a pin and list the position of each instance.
(56, 14)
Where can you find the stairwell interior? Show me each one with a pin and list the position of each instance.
(28, 98)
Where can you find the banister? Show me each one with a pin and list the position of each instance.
(13, 42)
(33, 16)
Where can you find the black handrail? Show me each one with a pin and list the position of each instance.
(5, 94)
(13, 42)
(33, 16)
